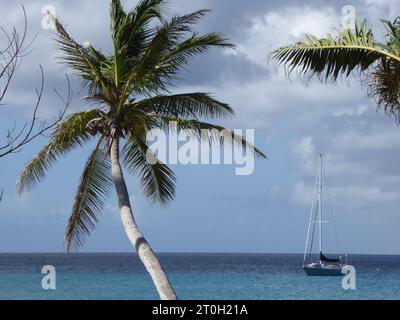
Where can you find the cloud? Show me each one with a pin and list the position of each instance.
(374, 142)
(388, 9)
(360, 166)
(284, 26)
(305, 148)
(348, 197)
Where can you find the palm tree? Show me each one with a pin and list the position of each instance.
(129, 89)
(352, 51)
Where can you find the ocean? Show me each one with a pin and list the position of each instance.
(194, 276)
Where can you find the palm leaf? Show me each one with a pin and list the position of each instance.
(164, 55)
(130, 31)
(157, 180)
(87, 62)
(196, 127)
(331, 57)
(393, 43)
(131, 34)
(193, 105)
(384, 85)
(179, 56)
(68, 135)
(94, 187)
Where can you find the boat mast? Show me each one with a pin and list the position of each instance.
(320, 206)
(312, 216)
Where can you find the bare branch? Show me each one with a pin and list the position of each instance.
(11, 56)
(35, 128)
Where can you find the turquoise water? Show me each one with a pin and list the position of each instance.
(194, 276)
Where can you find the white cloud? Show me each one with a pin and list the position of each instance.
(348, 197)
(289, 25)
(382, 8)
(305, 149)
(354, 111)
(375, 141)
(359, 166)
(302, 194)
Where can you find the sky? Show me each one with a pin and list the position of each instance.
(215, 210)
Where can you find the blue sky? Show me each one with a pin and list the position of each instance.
(216, 211)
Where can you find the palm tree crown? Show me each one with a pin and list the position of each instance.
(130, 90)
(352, 50)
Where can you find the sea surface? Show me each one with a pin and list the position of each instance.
(194, 276)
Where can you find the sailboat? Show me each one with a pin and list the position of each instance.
(324, 266)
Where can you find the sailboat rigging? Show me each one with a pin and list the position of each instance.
(324, 266)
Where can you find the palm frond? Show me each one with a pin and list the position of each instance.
(383, 84)
(193, 105)
(131, 33)
(332, 57)
(157, 180)
(224, 135)
(146, 10)
(86, 61)
(126, 26)
(68, 135)
(117, 16)
(168, 52)
(131, 29)
(94, 187)
(179, 56)
(393, 43)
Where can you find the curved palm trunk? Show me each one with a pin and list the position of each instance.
(145, 253)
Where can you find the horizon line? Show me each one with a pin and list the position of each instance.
(194, 252)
